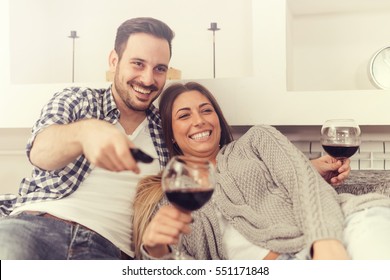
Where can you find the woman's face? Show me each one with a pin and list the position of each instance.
(195, 125)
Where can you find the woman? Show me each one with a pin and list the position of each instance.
(268, 195)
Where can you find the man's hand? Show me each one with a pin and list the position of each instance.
(101, 143)
(107, 147)
(332, 170)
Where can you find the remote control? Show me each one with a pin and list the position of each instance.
(139, 155)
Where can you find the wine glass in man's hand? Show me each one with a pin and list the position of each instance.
(188, 184)
(340, 138)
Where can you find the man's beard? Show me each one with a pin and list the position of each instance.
(128, 100)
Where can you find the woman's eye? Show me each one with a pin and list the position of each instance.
(184, 116)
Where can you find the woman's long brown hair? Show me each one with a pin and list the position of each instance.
(149, 193)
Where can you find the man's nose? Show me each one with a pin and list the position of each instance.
(147, 77)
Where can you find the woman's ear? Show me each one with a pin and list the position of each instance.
(113, 61)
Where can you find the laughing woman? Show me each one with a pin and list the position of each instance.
(269, 201)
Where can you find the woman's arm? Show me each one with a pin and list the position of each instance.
(332, 170)
(316, 209)
(329, 249)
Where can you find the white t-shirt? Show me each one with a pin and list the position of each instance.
(236, 245)
(104, 201)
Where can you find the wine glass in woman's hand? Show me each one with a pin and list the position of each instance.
(340, 138)
(188, 184)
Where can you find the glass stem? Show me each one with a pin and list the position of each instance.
(179, 252)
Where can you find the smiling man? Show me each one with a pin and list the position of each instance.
(77, 204)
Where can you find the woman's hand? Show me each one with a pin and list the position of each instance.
(332, 170)
(165, 229)
(329, 249)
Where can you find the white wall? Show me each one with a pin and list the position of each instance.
(41, 51)
(4, 47)
(14, 164)
(332, 51)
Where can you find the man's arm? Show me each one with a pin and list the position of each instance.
(101, 143)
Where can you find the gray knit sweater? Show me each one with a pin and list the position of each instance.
(269, 191)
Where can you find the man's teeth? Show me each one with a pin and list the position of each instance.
(200, 135)
(142, 90)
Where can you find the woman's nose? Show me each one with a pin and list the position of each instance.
(198, 119)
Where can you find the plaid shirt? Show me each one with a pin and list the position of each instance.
(70, 105)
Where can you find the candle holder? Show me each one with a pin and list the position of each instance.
(73, 36)
(213, 27)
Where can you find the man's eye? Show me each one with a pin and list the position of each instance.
(137, 63)
(161, 69)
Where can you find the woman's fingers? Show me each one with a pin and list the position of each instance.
(166, 226)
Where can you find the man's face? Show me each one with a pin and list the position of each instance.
(140, 74)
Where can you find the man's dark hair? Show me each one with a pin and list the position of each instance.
(147, 25)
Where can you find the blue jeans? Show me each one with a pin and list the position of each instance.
(304, 254)
(34, 237)
(367, 234)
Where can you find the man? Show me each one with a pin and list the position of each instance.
(77, 205)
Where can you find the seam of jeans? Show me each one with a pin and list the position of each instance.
(73, 232)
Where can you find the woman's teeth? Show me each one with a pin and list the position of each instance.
(200, 135)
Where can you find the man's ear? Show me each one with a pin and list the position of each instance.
(113, 60)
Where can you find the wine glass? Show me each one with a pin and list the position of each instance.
(188, 184)
(340, 138)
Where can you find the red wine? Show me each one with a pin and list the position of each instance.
(340, 151)
(189, 199)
